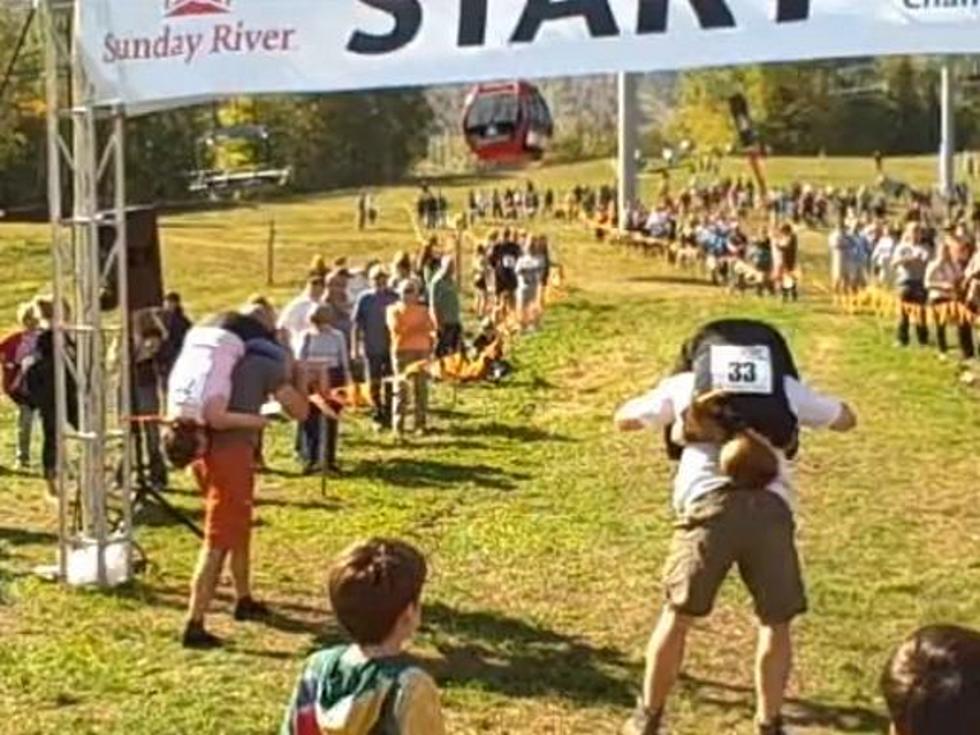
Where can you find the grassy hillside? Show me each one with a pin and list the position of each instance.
(546, 530)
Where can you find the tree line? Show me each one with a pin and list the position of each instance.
(328, 141)
(838, 108)
(354, 139)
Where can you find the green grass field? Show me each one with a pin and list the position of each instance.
(546, 530)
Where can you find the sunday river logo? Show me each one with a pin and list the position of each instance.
(181, 8)
(200, 31)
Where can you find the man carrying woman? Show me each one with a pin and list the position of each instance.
(225, 471)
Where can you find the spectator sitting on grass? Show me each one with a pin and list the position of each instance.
(931, 684)
(375, 591)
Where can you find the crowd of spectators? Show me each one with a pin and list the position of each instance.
(905, 250)
(511, 203)
(386, 323)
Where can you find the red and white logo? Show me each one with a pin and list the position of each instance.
(184, 8)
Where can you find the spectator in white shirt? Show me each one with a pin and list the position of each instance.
(943, 280)
(909, 270)
(295, 317)
(881, 257)
(359, 281)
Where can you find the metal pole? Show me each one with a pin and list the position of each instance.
(270, 254)
(124, 412)
(627, 144)
(81, 332)
(52, 79)
(947, 150)
(89, 337)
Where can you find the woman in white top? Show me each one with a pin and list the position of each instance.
(529, 269)
(323, 353)
(943, 279)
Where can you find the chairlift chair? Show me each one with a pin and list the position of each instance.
(222, 183)
(859, 80)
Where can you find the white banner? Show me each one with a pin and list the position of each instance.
(154, 54)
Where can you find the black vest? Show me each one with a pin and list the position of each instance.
(750, 361)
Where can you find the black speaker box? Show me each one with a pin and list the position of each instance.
(144, 271)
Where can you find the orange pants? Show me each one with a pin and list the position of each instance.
(226, 477)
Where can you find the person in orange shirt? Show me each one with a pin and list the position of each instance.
(412, 341)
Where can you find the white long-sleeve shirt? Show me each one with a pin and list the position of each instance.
(295, 316)
(699, 472)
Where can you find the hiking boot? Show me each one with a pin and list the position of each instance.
(642, 722)
(773, 728)
(196, 637)
(250, 609)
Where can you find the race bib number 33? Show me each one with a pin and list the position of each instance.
(741, 369)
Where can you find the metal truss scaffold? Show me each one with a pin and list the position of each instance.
(87, 206)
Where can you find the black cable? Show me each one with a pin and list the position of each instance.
(8, 75)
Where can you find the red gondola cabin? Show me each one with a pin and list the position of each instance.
(507, 123)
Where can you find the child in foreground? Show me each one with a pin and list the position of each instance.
(369, 687)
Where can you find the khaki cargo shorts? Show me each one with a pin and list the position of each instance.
(751, 529)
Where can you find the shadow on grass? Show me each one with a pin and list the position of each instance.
(590, 308)
(799, 712)
(12, 472)
(151, 515)
(443, 441)
(466, 179)
(283, 474)
(519, 659)
(419, 473)
(513, 432)
(448, 413)
(326, 504)
(286, 616)
(25, 536)
(678, 280)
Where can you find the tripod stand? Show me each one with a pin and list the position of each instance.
(147, 488)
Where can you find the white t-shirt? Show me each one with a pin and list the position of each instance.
(356, 285)
(698, 473)
(529, 268)
(883, 252)
(295, 317)
(202, 371)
